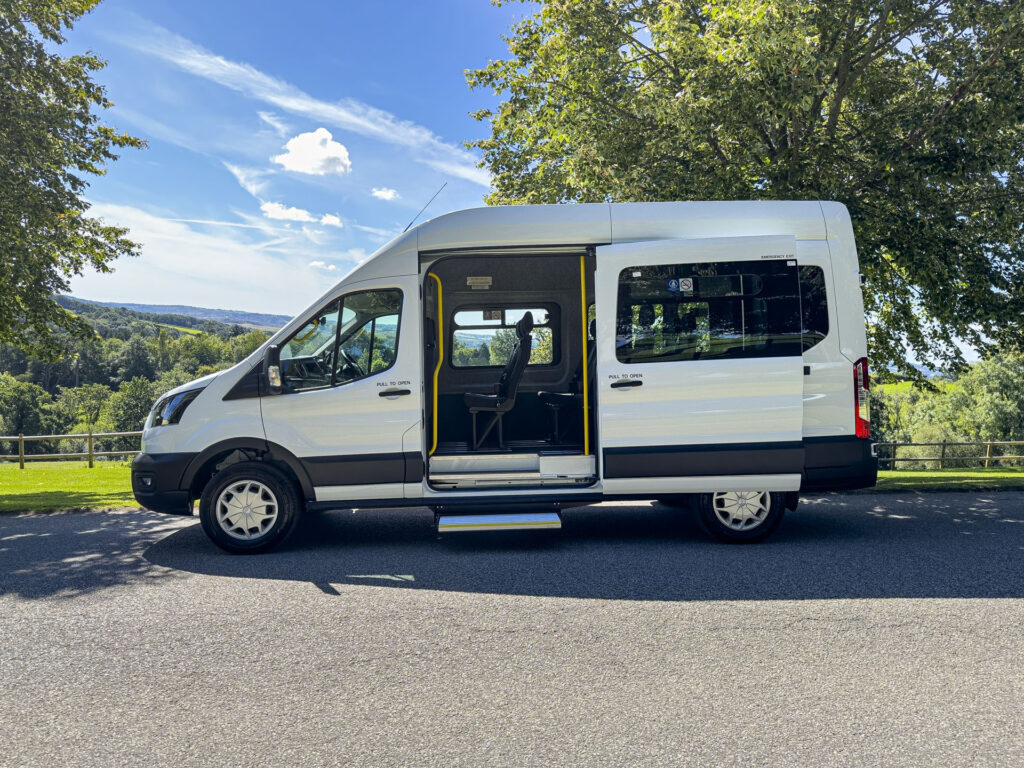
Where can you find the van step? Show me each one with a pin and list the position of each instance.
(519, 521)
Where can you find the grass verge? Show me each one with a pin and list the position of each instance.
(45, 486)
(953, 479)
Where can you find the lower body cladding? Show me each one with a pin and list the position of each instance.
(821, 464)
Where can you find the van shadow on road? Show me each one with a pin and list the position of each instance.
(839, 546)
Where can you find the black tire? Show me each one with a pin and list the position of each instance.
(240, 532)
(747, 524)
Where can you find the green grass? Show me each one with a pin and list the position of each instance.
(183, 329)
(45, 486)
(954, 479)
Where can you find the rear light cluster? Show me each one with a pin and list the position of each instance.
(861, 398)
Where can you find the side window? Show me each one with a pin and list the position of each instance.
(368, 338)
(307, 357)
(719, 310)
(484, 337)
(813, 305)
(326, 352)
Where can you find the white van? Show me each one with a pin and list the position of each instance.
(495, 364)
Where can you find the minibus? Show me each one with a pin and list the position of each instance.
(498, 364)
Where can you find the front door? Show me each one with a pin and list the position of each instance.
(699, 371)
(351, 405)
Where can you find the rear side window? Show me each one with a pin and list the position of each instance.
(813, 305)
(484, 338)
(720, 310)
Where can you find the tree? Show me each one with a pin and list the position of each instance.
(134, 360)
(908, 111)
(128, 408)
(50, 138)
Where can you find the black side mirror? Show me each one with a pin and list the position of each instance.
(272, 369)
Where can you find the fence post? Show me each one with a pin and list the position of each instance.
(90, 447)
(988, 453)
(892, 457)
(21, 450)
(942, 455)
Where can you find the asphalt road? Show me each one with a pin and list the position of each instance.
(870, 630)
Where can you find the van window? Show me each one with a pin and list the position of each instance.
(720, 310)
(485, 337)
(813, 305)
(323, 353)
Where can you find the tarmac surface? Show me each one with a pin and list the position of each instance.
(879, 629)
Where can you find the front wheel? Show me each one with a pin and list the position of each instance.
(249, 508)
(740, 517)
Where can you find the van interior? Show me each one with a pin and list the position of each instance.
(509, 359)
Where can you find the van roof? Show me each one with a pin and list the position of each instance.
(601, 223)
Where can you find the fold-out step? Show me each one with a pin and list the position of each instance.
(520, 521)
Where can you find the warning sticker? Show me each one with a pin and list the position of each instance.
(686, 284)
(479, 283)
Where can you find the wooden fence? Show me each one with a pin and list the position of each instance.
(888, 453)
(90, 453)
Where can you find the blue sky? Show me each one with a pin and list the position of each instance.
(286, 141)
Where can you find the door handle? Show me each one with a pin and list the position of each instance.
(394, 392)
(627, 383)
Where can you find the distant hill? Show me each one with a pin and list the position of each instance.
(227, 316)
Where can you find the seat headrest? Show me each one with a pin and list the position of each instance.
(525, 326)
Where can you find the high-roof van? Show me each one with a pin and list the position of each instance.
(498, 364)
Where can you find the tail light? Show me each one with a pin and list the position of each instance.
(861, 398)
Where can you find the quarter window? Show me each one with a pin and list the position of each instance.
(719, 310)
(813, 305)
(485, 337)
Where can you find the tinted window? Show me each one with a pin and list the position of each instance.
(814, 305)
(485, 337)
(718, 310)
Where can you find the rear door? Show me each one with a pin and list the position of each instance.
(699, 371)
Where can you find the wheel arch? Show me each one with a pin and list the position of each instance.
(203, 466)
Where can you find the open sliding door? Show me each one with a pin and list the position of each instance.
(699, 372)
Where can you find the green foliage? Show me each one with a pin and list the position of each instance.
(985, 403)
(50, 139)
(908, 111)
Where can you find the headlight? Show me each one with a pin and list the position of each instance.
(170, 409)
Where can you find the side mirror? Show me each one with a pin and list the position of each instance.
(272, 369)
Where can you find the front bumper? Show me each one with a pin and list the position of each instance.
(157, 481)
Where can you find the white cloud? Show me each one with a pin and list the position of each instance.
(315, 153)
(323, 265)
(223, 268)
(250, 179)
(280, 126)
(377, 232)
(330, 220)
(385, 193)
(285, 212)
(348, 114)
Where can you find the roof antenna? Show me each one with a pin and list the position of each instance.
(424, 208)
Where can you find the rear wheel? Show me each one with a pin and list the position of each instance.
(740, 517)
(249, 508)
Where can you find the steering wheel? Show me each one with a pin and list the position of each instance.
(349, 365)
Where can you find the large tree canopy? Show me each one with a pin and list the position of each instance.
(50, 139)
(910, 112)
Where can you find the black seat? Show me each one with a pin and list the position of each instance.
(556, 401)
(504, 397)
